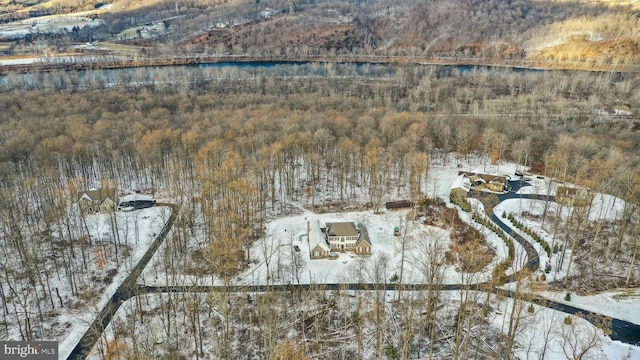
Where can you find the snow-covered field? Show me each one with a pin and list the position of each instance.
(48, 24)
(545, 335)
(285, 234)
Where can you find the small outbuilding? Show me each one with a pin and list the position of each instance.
(395, 205)
(573, 195)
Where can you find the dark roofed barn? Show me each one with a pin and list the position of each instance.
(395, 205)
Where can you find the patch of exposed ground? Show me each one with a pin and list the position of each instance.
(468, 248)
(582, 49)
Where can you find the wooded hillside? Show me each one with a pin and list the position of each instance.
(564, 34)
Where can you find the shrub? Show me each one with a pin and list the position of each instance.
(499, 272)
(536, 237)
(567, 297)
(567, 320)
(391, 352)
(458, 199)
(394, 278)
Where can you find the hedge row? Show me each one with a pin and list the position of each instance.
(460, 200)
(499, 273)
(535, 236)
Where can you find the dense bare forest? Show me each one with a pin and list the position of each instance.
(235, 147)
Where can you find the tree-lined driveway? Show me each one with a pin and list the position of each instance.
(620, 329)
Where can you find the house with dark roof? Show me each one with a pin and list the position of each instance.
(400, 204)
(95, 200)
(338, 237)
(569, 195)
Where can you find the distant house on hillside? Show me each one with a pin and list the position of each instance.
(489, 182)
(95, 200)
(267, 13)
(339, 237)
(572, 195)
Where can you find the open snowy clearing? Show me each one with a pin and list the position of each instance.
(48, 24)
(278, 245)
(283, 255)
(283, 234)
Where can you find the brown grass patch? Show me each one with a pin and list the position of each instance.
(468, 246)
(581, 49)
(473, 255)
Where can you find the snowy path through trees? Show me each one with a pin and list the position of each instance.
(126, 291)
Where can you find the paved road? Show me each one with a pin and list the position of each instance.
(621, 330)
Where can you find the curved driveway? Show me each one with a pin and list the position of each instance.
(620, 329)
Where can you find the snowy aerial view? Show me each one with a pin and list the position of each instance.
(297, 180)
(399, 255)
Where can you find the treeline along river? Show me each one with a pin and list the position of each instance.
(189, 74)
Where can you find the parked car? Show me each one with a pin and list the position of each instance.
(135, 205)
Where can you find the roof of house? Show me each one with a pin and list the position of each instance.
(484, 177)
(93, 195)
(461, 182)
(398, 204)
(341, 229)
(316, 238)
(364, 235)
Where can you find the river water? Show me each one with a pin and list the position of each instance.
(102, 78)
